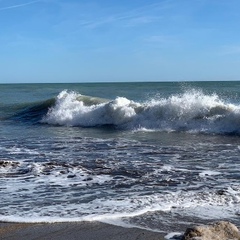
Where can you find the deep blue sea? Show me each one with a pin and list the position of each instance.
(153, 155)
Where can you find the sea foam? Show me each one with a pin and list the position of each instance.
(190, 111)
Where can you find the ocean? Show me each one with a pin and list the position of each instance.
(157, 156)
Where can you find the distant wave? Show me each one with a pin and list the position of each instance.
(191, 111)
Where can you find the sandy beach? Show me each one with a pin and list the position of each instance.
(73, 230)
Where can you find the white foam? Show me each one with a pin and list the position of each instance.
(72, 112)
(209, 173)
(202, 204)
(191, 111)
(173, 235)
(17, 150)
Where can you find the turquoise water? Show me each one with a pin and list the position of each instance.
(152, 155)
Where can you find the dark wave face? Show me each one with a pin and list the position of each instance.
(32, 112)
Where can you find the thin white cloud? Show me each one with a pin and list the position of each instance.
(19, 5)
(143, 15)
(141, 20)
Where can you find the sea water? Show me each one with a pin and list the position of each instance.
(153, 155)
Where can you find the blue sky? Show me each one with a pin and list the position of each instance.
(127, 40)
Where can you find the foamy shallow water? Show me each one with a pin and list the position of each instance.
(118, 180)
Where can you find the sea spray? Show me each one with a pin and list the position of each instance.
(191, 111)
(70, 110)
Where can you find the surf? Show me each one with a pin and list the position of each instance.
(191, 111)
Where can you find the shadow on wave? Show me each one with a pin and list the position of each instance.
(32, 112)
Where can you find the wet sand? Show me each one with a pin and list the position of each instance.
(73, 230)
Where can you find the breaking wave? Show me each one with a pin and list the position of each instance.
(191, 111)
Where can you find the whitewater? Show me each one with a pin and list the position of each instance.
(190, 111)
(152, 155)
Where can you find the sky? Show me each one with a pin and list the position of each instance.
(127, 40)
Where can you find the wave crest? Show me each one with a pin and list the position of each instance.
(190, 111)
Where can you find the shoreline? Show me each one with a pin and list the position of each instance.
(73, 231)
